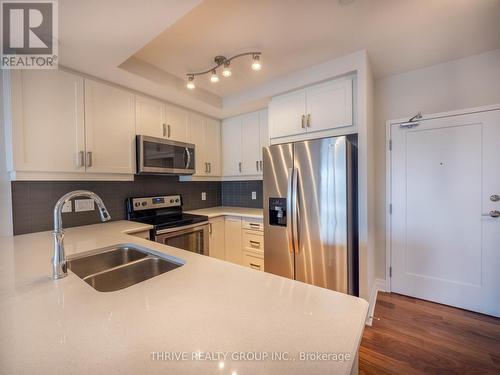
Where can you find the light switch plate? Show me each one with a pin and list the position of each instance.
(254, 195)
(84, 205)
(203, 196)
(67, 207)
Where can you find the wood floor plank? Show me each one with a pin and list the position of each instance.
(411, 336)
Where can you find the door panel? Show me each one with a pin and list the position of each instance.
(149, 117)
(322, 213)
(231, 146)
(285, 114)
(278, 160)
(250, 145)
(212, 146)
(197, 137)
(443, 248)
(177, 123)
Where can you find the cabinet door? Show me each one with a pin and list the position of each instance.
(109, 129)
(197, 137)
(232, 233)
(47, 121)
(231, 146)
(150, 117)
(264, 135)
(285, 114)
(177, 123)
(217, 238)
(212, 147)
(250, 144)
(329, 105)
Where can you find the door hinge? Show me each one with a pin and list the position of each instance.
(390, 271)
(390, 144)
(390, 209)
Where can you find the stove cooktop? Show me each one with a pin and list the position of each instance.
(171, 220)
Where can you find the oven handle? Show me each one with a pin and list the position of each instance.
(179, 229)
(188, 154)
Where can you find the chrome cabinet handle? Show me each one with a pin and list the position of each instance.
(164, 130)
(206, 167)
(255, 266)
(260, 162)
(210, 228)
(255, 244)
(308, 122)
(89, 159)
(209, 167)
(168, 132)
(303, 121)
(257, 165)
(81, 159)
(239, 166)
(494, 214)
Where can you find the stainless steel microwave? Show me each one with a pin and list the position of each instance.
(163, 156)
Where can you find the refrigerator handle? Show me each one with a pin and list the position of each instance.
(289, 198)
(294, 212)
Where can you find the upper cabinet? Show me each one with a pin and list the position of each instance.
(204, 133)
(157, 119)
(46, 121)
(109, 129)
(242, 140)
(322, 107)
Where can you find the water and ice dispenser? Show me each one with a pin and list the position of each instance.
(277, 211)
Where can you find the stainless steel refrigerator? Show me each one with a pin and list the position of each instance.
(310, 212)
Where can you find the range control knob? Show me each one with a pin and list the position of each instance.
(171, 201)
(137, 204)
(144, 203)
(177, 200)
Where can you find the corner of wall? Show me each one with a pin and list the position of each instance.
(5, 185)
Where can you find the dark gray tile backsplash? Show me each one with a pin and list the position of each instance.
(239, 193)
(33, 201)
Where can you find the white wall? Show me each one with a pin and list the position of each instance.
(469, 82)
(5, 190)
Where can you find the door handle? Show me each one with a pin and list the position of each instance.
(168, 131)
(260, 162)
(81, 159)
(89, 159)
(255, 244)
(239, 166)
(206, 167)
(164, 130)
(255, 266)
(494, 214)
(303, 121)
(210, 228)
(289, 234)
(257, 165)
(295, 214)
(209, 167)
(308, 122)
(188, 157)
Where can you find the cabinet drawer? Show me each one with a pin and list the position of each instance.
(255, 224)
(252, 261)
(253, 241)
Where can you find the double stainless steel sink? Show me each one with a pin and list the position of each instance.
(118, 267)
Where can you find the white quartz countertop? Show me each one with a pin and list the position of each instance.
(227, 313)
(253, 213)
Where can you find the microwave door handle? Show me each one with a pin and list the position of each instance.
(188, 157)
(289, 233)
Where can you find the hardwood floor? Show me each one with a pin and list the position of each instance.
(411, 336)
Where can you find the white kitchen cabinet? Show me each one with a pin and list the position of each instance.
(287, 114)
(329, 105)
(242, 140)
(177, 123)
(217, 238)
(233, 242)
(109, 128)
(150, 118)
(253, 261)
(47, 114)
(204, 133)
(231, 146)
(250, 144)
(324, 106)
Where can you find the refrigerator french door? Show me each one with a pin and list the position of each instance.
(310, 221)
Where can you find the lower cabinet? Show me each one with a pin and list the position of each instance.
(233, 239)
(254, 261)
(216, 240)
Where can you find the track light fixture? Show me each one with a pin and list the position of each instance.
(226, 71)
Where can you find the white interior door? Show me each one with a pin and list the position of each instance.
(445, 245)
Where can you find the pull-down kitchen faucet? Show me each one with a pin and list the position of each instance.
(59, 267)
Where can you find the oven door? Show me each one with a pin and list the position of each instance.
(191, 238)
(162, 156)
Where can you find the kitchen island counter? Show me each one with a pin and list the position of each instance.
(206, 317)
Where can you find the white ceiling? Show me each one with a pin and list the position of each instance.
(399, 35)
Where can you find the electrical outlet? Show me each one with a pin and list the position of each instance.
(67, 207)
(203, 196)
(84, 205)
(254, 195)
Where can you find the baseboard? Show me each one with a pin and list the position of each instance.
(378, 285)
